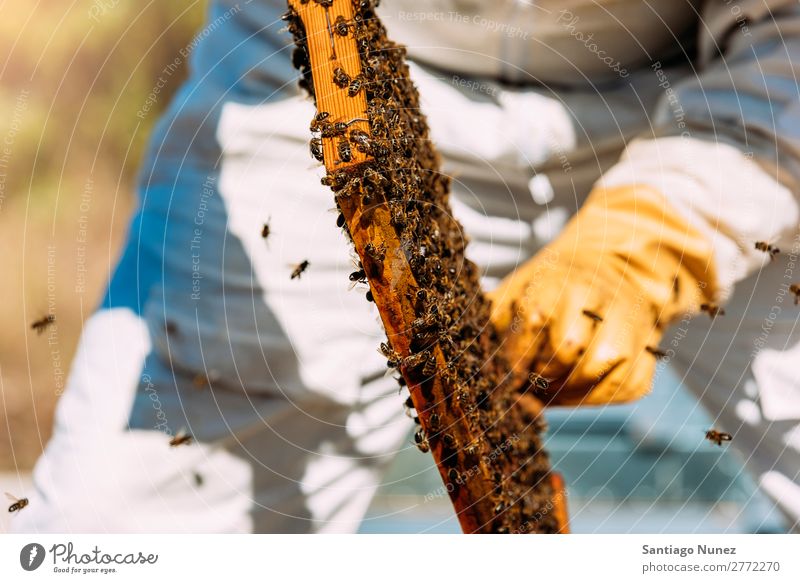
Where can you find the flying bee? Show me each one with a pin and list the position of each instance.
(198, 479)
(341, 78)
(795, 289)
(421, 441)
(538, 382)
(17, 503)
(718, 437)
(299, 269)
(713, 310)
(345, 152)
(43, 324)
(592, 316)
(767, 248)
(315, 145)
(181, 438)
(656, 352)
(265, 230)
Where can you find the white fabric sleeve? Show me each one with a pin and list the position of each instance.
(722, 192)
(725, 144)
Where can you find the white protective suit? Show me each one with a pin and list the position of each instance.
(530, 104)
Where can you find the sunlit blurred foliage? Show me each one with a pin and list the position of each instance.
(73, 76)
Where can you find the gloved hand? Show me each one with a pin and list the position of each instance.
(584, 317)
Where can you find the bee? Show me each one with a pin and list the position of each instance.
(361, 140)
(592, 316)
(453, 476)
(538, 382)
(718, 437)
(767, 248)
(315, 145)
(355, 86)
(341, 78)
(656, 352)
(713, 310)
(369, 296)
(42, 324)
(170, 327)
(375, 252)
(299, 269)
(17, 503)
(421, 441)
(795, 289)
(345, 152)
(392, 358)
(180, 438)
(434, 422)
(408, 405)
(334, 130)
(265, 231)
(358, 276)
(336, 181)
(449, 441)
(341, 26)
(198, 479)
(319, 120)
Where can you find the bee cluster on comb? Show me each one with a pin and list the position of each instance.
(393, 199)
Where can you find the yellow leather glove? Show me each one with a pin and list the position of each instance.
(584, 317)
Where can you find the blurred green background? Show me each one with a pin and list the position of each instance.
(73, 76)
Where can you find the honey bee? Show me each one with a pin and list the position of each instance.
(718, 437)
(421, 441)
(315, 145)
(538, 382)
(361, 140)
(198, 479)
(375, 252)
(42, 324)
(344, 150)
(180, 438)
(592, 316)
(17, 503)
(795, 289)
(341, 26)
(393, 359)
(319, 120)
(713, 310)
(656, 352)
(355, 86)
(767, 248)
(341, 78)
(299, 269)
(265, 230)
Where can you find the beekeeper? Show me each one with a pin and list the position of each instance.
(614, 164)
